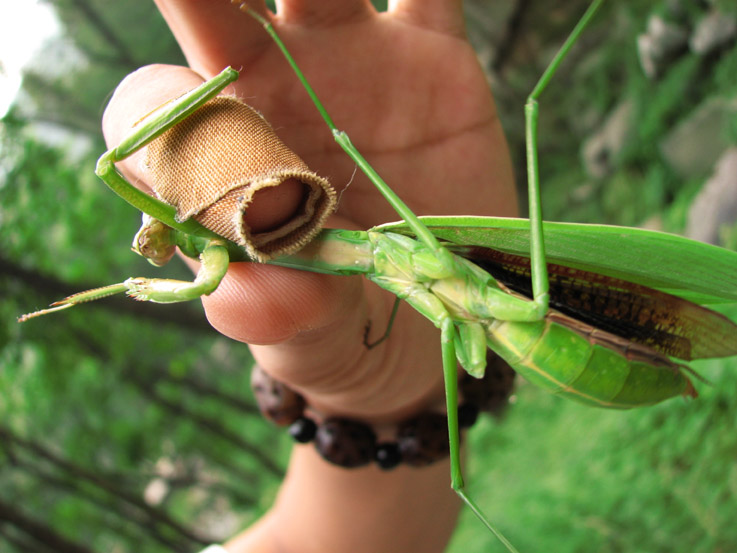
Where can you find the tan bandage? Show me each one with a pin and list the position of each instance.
(210, 165)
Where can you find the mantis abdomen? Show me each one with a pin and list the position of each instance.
(571, 359)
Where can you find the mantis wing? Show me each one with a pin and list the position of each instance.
(692, 270)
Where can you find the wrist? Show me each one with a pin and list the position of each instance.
(416, 440)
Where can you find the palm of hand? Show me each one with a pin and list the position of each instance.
(416, 104)
(414, 101)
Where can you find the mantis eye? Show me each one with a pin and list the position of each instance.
(154, 241)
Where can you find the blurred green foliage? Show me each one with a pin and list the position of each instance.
(131, 427)
(122, 427)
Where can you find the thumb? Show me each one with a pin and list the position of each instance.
(307, 324)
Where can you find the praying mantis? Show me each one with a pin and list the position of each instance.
(464, 336)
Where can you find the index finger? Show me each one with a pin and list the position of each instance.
(213, 35)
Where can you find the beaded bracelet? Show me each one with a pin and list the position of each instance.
(419, 441)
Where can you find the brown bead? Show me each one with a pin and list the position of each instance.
(345, 442)
(490, 393)
(276, 401)
(423, 439)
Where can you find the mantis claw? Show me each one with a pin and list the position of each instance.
(74, 299)
(162, 290)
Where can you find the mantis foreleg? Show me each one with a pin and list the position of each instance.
(214, 264)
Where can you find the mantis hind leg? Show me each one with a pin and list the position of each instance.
(448, 338)
(539, 270)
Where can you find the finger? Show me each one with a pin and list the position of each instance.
(265, 305)
(148, 88)
(137, 95)
(213, 35)
(443, 16)
(323, 12)
(310, 326)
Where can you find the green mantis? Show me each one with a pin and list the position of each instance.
(468, 305)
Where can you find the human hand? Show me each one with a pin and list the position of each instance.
(406, 86)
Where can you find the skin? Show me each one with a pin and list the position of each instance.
(407, 87)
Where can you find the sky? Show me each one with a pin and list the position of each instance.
(24, 26)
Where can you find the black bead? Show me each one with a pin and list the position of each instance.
(388, 455)
(303, 430)
(467, 415)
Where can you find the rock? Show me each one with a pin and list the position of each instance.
(715, 30)
(716, 204)
(675, 9)
(661, 44)
(605, 145)
(694, 146)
